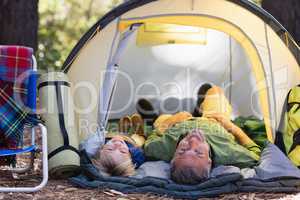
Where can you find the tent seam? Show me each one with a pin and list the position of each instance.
(272, 75)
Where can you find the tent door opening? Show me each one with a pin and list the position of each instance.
(254, 60)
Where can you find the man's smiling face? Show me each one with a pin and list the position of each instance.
(193, 153)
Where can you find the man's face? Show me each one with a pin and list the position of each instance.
(117, 149)
(193, 151)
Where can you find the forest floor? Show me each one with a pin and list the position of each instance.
(63, 190)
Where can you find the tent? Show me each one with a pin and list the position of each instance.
(165, 49)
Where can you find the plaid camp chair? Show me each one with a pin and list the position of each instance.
(18, 77)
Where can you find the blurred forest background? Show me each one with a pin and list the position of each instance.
(53, 27)
(63, 22)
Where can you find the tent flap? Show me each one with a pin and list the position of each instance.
(151, 34)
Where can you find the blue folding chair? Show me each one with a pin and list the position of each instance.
(18, 74)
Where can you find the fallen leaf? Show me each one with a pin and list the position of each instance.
(110, 194)
(59, 187)
(117, 192)
(251, 196)
(72, 189)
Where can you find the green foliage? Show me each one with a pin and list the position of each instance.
(62, 23)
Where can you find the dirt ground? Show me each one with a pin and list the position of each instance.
(62, 190)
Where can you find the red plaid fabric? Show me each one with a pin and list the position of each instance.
(15, 62)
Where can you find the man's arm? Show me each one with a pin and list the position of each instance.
(238, 133)
(157, 148)
(171, 121)
(163, 147)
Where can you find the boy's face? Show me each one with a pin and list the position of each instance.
(117, 149)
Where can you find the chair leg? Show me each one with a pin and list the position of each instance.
(25, 169)
(45, 168)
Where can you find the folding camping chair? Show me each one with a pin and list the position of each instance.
(18, 77)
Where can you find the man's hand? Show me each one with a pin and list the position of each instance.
(223, 120)
(236, 131)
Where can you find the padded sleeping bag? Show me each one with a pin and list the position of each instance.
(274, 173)
(58, 114)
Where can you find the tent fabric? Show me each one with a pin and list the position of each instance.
(159, 34)
(226, 27)
(110, 78)
(270, 176)
(165, 71)
(264, 50)
(132, 4)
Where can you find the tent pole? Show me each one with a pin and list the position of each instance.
(230, 70)
(274, 110)
(109, 82)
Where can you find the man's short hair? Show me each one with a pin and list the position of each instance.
(189, 175)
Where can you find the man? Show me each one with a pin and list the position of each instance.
(194, 144)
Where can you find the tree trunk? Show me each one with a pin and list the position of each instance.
(19, 22)
(287, 13)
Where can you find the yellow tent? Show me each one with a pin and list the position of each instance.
(164, 50)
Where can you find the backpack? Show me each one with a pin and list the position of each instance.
(288, 136)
